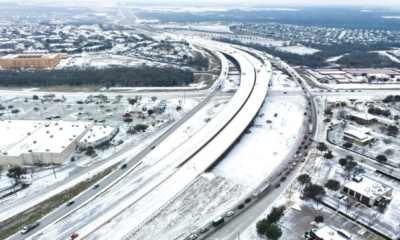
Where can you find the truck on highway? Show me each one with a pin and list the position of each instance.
(310, 128)
(217, 221)
(308, 95)
(79, 102)
(257, 192)
(29, 227)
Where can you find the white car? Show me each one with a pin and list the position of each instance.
(230, 213)
(193, 236)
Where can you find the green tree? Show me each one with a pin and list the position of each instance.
(322, 147)
(343, 104)
(128, 120)
(319, 219)
(393, 130)
(328, 155)
(150, 111)
(154, 98)
(314, 190)
(381, 158)
(132, 101)
(275, 214)
(35, 97)
(304, 179)
(343, 162)
(347, 145)
(16, 173)
(140, 127)
(273, 232)
(332, 185)
(90, 152)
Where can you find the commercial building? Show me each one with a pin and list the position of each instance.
(366, 118)
(326, 232)
(367, 190)
(30, 60)
(357, 136)
(39, 142)
(97, 136)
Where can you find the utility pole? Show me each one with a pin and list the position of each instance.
(52, 165)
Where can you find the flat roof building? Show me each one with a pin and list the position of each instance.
(367, 190)
(37, 142)
(30, 60)
(97, 136)
(357, 136)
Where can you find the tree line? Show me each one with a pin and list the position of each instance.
(107, 77)
(358, 55)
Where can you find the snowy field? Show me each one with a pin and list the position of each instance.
(237, 175)
(282, 82)
(301, 50)
(334, 59)
(210, 28)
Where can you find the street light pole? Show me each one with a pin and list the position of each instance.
(52, 165)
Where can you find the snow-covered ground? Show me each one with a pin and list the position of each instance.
(391, 57)
(153, 165)
(210, 28)
(230, 180)
(301, 50)
(282, 82)
(334, 59)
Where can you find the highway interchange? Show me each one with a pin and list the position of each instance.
(243, 108)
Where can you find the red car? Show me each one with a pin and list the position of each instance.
(309, 143)
(305, 136)
(283, 179)
(302, 143)
(306, 147)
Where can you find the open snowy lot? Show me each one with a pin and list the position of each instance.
(210, 28)
(239, 173)
(301, 50)
(282, 82)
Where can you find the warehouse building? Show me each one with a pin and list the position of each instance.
(39, 142)
(30, 60)
(367, 190)
(97, 136)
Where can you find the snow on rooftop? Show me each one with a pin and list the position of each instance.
(363, 115)
(39, 136)
(96, 133)
(368, 187)
(356, 134)
(330, 233)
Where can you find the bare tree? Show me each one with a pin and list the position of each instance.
(356, 214)
(338, 203)
(1, 169)
(388, 152)
(387, 141)
(31, 171)
(348, 204)
(342, 113)
(371, 222)
(383, 129)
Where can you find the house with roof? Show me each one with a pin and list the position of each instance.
(326, 232)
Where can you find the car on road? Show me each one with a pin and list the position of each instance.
(279, 173)
(284, 92)
(241, 206)
(302, 143)
(311, 139)
(230, 213)
(285, 168)
(120, 142)
(277, 185)
(341, 196)
(309, 143)
(305, 114)
(204, 229)
(303, 160)
(193, 236)
(123, 166)
(300, 147)
(152, 147)
(283, 179)
(297, 152)
(352, 91)
(287, 173)
(305, 147)
(305, 136)
(247, 200)
(295, 156)
(70, 203)
(309, 120)
(329, 90)
(297, 160)
(359, 90)
(96, 186)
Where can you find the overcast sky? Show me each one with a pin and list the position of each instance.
(284, 2)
